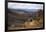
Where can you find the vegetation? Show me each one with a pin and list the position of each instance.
(35, 20)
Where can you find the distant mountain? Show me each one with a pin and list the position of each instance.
(18, 11)
(23, 10)
(13, 15)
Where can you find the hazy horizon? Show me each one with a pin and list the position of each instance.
(24, 7)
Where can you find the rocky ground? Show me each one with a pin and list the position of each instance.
(17, 21)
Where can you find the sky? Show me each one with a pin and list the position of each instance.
(24, 6)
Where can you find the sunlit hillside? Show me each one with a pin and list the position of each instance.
(25, 21)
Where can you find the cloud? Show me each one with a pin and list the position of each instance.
(24, 6)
